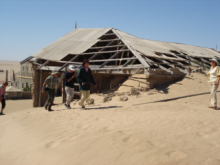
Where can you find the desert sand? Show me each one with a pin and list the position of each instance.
(178, 132)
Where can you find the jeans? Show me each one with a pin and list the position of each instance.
(69, 94)
(51, 95)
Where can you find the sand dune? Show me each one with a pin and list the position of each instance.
(180, 132)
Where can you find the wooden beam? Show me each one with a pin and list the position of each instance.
(119, 68)
(121, 59)
(113, 56)
(95, 55)
(122, 55)
(106, 46)
(68, 62)
(109, 40)
(158, 65)
(42, 65)
(128, 62)
(102, 52)
(132, 50)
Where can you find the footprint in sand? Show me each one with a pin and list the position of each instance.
(177, 155)
(51, 144)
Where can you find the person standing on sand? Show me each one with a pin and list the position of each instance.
(84, 78)
(70, 78)
(50, 85)
(2, 96)
(214, 77)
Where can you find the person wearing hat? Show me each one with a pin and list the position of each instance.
(50, 85)
(70, 78)
(214, 77)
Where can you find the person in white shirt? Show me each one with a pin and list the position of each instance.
(214, 77)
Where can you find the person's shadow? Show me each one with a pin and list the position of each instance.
(110, 107)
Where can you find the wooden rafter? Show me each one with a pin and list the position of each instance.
(120, 59)
(158, 65)
(103, 52)
(68, 62)
(96, 54)
(43, 65)
(132, 50)
(113, 56)
(112, 46)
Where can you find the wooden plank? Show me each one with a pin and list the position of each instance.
(95, 55)
(113, 46)
(118, 68)
(122, 55)
(132, 50)
(42, 65)
(109, 40)
(68, 62)
(121, 59)
(103, 52)
(113, 56)
(127, 62)
(158, 65)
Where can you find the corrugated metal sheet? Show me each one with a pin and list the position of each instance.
(148, 47)
(75, 42)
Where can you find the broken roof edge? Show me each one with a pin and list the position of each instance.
(164, 41)
(141, 60)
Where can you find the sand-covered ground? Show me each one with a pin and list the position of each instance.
(178, 132)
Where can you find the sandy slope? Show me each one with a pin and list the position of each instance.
(180, 132)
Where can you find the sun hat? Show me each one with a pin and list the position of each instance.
(54, 72)
(214, 60)
(71, 67)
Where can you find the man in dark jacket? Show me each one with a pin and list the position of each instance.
(84, 78)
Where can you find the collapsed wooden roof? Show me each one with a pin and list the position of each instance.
(110, 49)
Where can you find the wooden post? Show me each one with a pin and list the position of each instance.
(40, 86)
(6, 76)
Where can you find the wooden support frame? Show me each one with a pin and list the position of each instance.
(158, 65)
(68, 62)
(95, 55)
(103, 52)
(132, 50)
(113, 46)
(109, 40)
(43, 65)
(113, 56)
(128, 62)
(121, 59)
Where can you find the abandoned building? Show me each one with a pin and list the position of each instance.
(114, 56)
(23, 78)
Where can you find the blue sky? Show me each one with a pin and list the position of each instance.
(27, 26)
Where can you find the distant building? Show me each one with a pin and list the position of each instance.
(23, 78)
